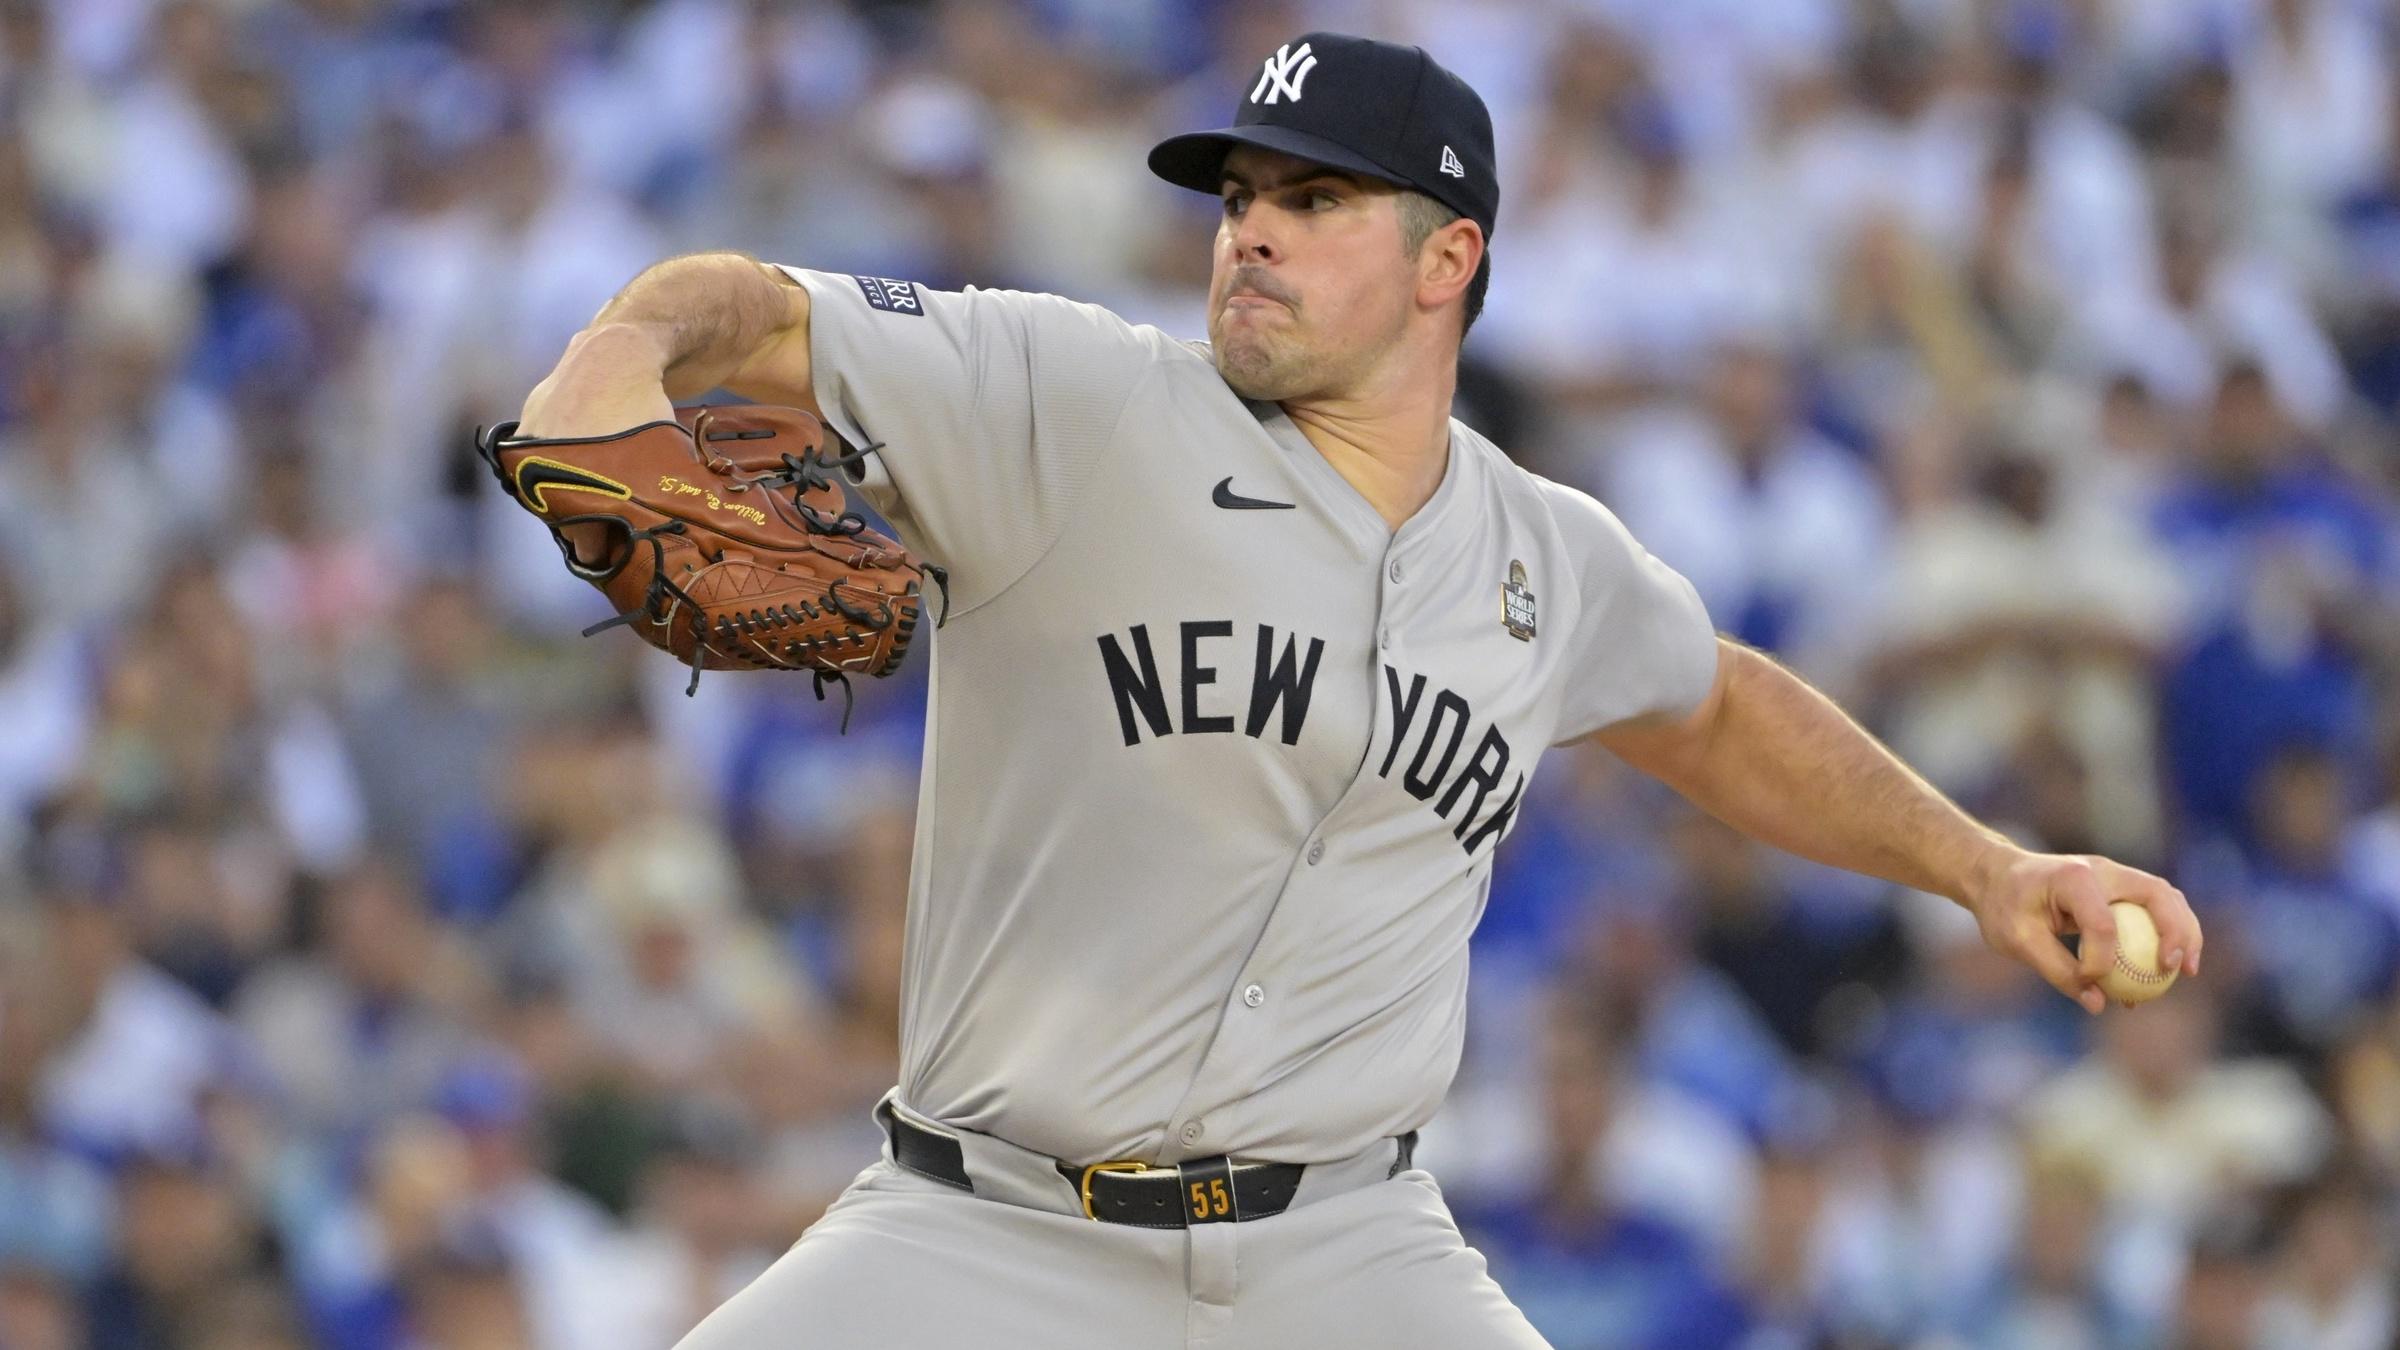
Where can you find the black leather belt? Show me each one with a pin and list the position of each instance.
(1200, 1190)
(1197, 1191)
(923, 1152)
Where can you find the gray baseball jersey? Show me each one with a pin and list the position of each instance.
(1216, 761)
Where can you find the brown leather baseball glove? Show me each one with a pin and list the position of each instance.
(725, 538)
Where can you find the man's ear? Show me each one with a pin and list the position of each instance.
(1447, 262)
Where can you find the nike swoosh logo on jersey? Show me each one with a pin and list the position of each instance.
(1224, 496)
(538, 477)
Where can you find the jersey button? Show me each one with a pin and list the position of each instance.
(1316, 853)
(1395, 569)
(1191, 1132)
(1254, 995)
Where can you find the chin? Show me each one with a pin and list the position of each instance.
(1253, 372)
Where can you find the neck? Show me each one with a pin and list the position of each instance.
(1391, 441)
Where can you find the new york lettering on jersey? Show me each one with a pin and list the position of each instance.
(1282, 683)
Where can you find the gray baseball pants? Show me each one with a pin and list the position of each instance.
(901, 1262)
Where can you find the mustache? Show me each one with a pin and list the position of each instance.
(1261, 282)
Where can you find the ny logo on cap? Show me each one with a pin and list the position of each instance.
(1450, 164)
(1283, 74)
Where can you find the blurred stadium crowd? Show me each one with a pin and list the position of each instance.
(2022, 371)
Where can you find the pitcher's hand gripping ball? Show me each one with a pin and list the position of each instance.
(724, 538)
(2135, 975)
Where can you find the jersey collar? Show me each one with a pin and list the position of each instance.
(1358, 516)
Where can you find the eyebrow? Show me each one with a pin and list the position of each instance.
(1235, 178)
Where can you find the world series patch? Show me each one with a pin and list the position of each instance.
(1516, 603)
(892, 297)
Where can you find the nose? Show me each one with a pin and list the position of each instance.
(1253, 237)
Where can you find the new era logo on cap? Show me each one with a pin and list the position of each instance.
(1283, 74)
(1450, 164)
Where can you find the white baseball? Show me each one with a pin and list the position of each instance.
(2135, 976)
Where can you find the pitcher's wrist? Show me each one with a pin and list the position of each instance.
(1979, 872)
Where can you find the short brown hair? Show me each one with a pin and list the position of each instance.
(1420, 216)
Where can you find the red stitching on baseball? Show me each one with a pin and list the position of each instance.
(2144, 977)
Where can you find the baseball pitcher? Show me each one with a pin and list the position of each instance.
(1250, 656)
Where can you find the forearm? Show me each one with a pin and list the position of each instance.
(681, 328)
(703, 314)
(1780, 762)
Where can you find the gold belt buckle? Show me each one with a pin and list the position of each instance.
(1132, 1165)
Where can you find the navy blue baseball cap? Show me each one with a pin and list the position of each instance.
(1373, 108)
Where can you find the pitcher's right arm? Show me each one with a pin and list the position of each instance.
(684, 326)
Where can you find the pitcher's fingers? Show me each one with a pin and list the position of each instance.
(2076, 892)
(2039, 948)
(2179, 934)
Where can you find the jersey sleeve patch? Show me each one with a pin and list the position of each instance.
(892, 297)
